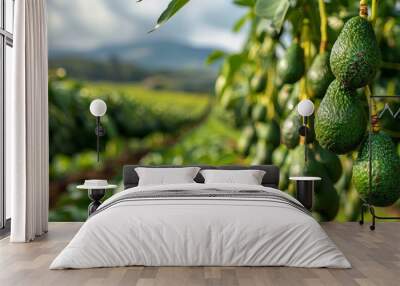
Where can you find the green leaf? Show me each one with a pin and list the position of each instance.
(214, 56)
(273, 10)
(240, 23)
(173, 7)
(231, 65)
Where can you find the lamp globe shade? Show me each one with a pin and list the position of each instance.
(98, 107)
(305, 107)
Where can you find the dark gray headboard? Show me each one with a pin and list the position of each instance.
(271, 177)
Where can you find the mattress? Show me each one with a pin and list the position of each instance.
(201, 225)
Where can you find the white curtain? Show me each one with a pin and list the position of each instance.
(27, 124)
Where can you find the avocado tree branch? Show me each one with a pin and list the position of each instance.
(373, 110)
(324, 26)
(306, 45)
(392, 66)
(374, 11)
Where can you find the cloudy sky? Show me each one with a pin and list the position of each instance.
(87, 24)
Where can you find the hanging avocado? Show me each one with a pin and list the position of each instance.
(279, 155)
(258, 82)
(299, 167)
(331, 162)
(355, 56)
(291, 66)
(263, 153)
(293, 99)
(247, 138)
(340, 122)
(284, 177)
(290, 130)
(327, 200)
(385, 171)
(283, 97)
(259, 113)
(319, 76)
(269, 131)
(245, 110)
(284, 170)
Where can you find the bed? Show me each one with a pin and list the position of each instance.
(197, 224)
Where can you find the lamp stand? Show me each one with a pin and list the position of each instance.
(305, 122)
(303, 131)
(99, 131)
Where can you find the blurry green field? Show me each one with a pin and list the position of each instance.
(193, 102)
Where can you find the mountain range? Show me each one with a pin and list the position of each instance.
(151, 55)
(161, 65)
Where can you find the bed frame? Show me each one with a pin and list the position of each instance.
(270, 179)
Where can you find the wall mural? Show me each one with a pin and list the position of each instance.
(241, 108)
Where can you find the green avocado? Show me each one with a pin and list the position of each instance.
(283, 97)
(290, 136)
(238, 111)
(385, 171)
(293, 99)
(331, 162)
(284, 177)
(326, 200)
(299, 167)
(290, 130)
(279, 155)
(355, 56)
(340, 121)
(246, 109)
(263, 153)
(269, 131)
(258, 82)
(259, 113)
(319, 75)
(291, 66)
(247, 138)
(284, 171)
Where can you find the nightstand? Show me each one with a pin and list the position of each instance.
(95, 192)
(305, 189)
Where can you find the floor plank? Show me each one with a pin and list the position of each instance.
(375, 257)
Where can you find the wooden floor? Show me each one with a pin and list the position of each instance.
(375, 257)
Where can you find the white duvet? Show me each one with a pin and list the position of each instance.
(200, 231)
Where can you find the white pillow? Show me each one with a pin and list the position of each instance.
(248, 177)
(166, 176)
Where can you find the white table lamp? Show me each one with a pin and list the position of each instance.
(98, 108)
(305, 108)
